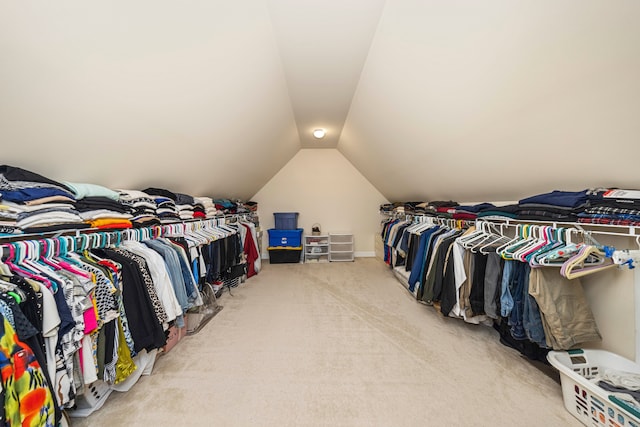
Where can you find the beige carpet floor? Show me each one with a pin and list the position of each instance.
(339, 344)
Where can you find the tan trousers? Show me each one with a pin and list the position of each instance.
(566, 316)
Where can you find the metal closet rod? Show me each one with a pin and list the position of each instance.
(74, 232)
(94, 238)
(582, 227)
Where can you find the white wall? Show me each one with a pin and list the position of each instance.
(612, 299)
(324, 188)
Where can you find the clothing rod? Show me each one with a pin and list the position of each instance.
(578, 225)
(6, 238)
(632, 228)
(100, 238)
(582, 227)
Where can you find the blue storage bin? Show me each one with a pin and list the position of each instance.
(290, 238)
(286, 220)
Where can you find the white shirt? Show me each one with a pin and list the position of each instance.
(160, 277)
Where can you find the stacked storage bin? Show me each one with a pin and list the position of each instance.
(285, 240)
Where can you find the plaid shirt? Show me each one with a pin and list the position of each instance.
(613, 217)
(605, 210)
(609, 221)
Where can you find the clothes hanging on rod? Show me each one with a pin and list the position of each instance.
(391, 234)
(249, 239)
(484, 276)
(108, 300)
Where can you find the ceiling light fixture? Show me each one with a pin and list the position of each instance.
(319, 133)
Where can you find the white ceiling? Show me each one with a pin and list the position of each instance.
(323, 46)
(491, 100)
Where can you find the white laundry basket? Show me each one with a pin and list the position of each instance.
(591, 404)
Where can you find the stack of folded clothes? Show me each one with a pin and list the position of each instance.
(441, 208)
(554, 206)
(410, 208)
(421, 208)
(251, 206)
(241, 208)
(500, 212)
(209, 207)
(612, 206)
(46, 217)
(470, 212)
(225, 206)
(185, 206)
(166, 210)
(199, 211)
(32, 203)
(99, 206)
(8, 219)
(445, 211)
(141, 206)
(404, 208)
(387, 208)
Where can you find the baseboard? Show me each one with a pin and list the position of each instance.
(360, 254)
(364, 254)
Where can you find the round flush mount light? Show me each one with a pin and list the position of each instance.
(319, 133)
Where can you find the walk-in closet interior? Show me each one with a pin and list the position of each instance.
(285, 212)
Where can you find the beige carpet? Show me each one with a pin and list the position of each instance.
(339, 344)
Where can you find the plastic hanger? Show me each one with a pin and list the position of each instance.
(538, 241)
(558, 255)
(522, 238)
(14, 263)
(64, 259)
(492, 245)
(478, 233)
(590, 259)
(36, 262)
(483, 239)
(517, 237)
(553, 242)
(423, 224)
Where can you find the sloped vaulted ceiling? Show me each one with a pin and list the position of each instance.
(428, 99)
(190, 96)
(498, 99)
(323, 45)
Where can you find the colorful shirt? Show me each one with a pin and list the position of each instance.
(28, 401)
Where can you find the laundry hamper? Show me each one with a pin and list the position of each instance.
(94, 396)
(583, 398)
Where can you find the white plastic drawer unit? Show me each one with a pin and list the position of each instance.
(316, 249)
(340, 256)
(341, 247)
(341, 238)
